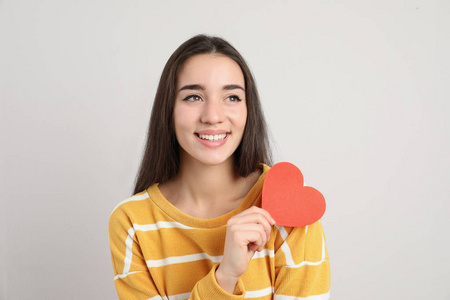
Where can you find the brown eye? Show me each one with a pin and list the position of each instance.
(234, 98)
(192, 98)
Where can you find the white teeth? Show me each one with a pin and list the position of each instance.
(213, 138)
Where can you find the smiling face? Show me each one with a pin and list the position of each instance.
(210, 109)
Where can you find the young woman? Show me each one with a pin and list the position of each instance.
(194, 228)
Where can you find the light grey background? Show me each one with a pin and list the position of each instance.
(356, 94)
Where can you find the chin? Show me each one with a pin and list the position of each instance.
(214, 161)
(207, 157)
(210, 159)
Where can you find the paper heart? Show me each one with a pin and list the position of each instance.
(288, 201)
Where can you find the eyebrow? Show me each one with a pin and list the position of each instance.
(233, 87)
(228, 87)
(192, 87)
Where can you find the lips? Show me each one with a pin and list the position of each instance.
(212, 138)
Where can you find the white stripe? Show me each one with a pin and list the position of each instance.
(264, 253)
(173, 297)
(306, 263)
(285, 246)
(182, 259)
(282, 231)
(155, 298)
(199, 256)
(118, 276)
(259, 293)
(180, 296)
(159, 225)
(134, 198)
(129, 251)
(315, 297)
(306, 229)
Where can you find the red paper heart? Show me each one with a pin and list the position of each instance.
(287, 200)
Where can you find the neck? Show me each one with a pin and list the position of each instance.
(207, 184)
(207, 191)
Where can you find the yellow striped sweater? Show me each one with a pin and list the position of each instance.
(159, 252)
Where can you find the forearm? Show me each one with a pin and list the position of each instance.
(226, 282)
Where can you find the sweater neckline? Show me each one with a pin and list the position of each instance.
(179, 216)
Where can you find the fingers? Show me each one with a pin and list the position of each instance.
(250, 223)
(251, 220)
(257, 210)
(254, 215)
(249, 235)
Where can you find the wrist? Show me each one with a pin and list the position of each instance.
(225, 281)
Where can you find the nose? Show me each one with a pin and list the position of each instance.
(213, 112)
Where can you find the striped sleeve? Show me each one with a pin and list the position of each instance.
(132, 278)
(302, 267)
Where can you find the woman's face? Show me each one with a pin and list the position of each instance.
(210, 108)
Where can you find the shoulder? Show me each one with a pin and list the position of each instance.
(264, 168)
(257, 177)
(129, 210)
(137, 197)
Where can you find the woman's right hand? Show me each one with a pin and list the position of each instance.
(247, 232)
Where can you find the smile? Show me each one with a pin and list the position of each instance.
(212, 138)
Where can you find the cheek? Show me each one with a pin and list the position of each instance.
(240, 118)
(178, 122)
(244, 117)
(180, 118)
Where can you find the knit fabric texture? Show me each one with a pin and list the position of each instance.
(159, 252)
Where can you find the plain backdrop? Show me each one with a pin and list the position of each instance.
(356, 94)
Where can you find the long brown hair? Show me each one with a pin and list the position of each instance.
(161, 160)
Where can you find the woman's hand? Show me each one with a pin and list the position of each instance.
(247, 232)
